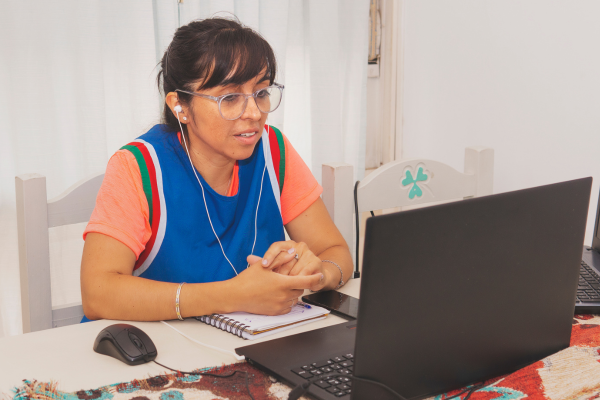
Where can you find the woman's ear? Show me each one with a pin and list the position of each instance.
(172, 101)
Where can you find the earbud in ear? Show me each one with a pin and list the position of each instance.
(178, 108)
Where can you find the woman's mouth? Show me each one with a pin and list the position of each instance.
(247, 138)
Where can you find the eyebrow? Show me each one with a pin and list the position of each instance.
(235, 86)
(228, 82)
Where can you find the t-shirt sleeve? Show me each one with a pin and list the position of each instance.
(300, 188)
(121, 210)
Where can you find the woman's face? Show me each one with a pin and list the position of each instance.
(215, 137)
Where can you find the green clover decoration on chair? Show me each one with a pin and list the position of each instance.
(409, 180)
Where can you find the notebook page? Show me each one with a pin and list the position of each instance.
(249, 336)
(256, 322)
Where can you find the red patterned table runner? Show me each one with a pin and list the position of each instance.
(573, 373)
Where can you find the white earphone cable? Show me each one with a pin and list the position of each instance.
(238, 357)
(256, 215)
(206, 206)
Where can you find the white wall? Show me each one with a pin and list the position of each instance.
(522, 77)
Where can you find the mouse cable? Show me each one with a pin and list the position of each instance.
(214, 375)
(237, 357)
(302, 388)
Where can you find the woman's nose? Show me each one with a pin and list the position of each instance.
(251, 112)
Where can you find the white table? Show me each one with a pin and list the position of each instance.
(65, 355)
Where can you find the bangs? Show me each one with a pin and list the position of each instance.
(236, 56)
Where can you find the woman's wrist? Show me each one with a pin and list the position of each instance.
(230, 299)
(205, 298)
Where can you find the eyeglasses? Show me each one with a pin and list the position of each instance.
(233, 105)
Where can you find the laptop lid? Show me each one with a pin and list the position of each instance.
(457, 293)
(596, 238)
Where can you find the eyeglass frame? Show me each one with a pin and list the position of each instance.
(218, 99)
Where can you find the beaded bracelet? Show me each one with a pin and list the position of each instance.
(177, 301)
(341, 283)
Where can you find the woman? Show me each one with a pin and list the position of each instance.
(187, 208)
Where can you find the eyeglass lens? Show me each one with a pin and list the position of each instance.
(267, 100)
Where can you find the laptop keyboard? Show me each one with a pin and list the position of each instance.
(339, 386)
(588, 290)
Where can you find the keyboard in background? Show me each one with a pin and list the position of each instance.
(588, 289)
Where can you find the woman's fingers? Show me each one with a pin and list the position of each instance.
(304, 281)
(275, 249)
(301, 263)
(287, 305)
(295, 293)
(291, 304)
(320, 285)
(307, 264)
(300, 266)
(287, 267)
(252, 259)
(261, 291)
(283, 258)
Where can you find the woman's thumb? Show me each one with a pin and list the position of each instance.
(252, 259)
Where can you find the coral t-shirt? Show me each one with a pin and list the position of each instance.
(122, 211)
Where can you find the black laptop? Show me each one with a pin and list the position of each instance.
(451, 295)
(588, 290)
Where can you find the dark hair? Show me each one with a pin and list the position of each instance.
(209, 53)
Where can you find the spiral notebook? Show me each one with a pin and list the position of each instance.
(254, 326)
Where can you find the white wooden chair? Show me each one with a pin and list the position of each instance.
(35, 215)
(404, 184)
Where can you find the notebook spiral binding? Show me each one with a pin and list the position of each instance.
(225, 324)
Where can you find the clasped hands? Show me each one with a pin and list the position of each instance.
(273, 283)
(293, 259)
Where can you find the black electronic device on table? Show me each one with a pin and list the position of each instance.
(451, 295)
(588, 290)
(126, 343)
(338, 303)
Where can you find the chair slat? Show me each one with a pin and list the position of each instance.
(338, 181)
(76, 204)
(34, 252)
(67, 315)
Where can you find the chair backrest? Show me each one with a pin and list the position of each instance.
(403, 183)
(35, 215)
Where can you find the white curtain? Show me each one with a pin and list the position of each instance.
(78, 82)
(321, 47)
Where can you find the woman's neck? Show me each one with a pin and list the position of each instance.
(214, 168)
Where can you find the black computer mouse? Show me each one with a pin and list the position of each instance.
(126, 343)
